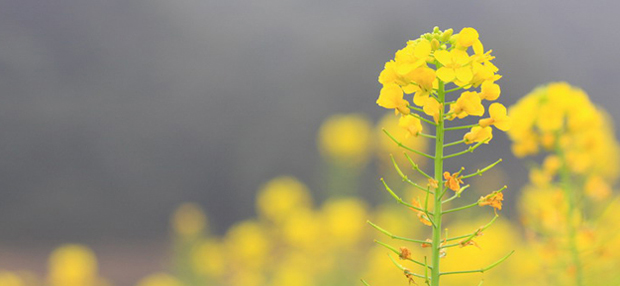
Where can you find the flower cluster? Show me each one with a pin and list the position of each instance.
(561, 120)
(459, 59)
(561, 206)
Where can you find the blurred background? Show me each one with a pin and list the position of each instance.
(115, 112)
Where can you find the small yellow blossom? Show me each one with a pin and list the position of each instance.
(490, 91)
(469, 103)
(479, 134)
(412, 56)
(455, 66)
(412, 124)
(498, 117)
(433, 108)
(425, 81)
(453, 181)
(391, 96)
(467, 36)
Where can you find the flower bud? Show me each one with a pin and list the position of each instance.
(435, 44)
(446, 35)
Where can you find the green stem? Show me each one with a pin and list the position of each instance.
(405, 147)
(461, 127)
(569, 194)
(390, 235)
(483, 269)
(439, 141)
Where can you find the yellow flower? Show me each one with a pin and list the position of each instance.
(479, 134)
(433, 108)
(389, 122)
(412, 56)
(489, 91)
(469, 103)
(455, 66)
(345, 138)
(597, 188)
(425, 80)
(467, 36)
(498, 117)
(391, 96)
(410, 123)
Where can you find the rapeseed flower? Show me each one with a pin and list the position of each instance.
(498, 117)
(411, 124)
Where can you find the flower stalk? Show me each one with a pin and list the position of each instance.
(431, 68)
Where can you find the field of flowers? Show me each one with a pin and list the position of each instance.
(425, 222)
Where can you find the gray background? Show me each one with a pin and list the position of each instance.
(113, 112)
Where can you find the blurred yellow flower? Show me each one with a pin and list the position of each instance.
(248, 245)
(346, 138)
(10, 279)
(159, 279)
(189, 220)
(209, 258)
(344, 221)
(281, 197)
(72, 265)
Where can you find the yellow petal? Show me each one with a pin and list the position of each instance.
(497, 111)
(422, 50)
(464, 74)
(443, 57)
(490, 90)
(467, 36)
(446, 74)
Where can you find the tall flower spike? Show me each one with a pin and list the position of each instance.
(431, 68)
